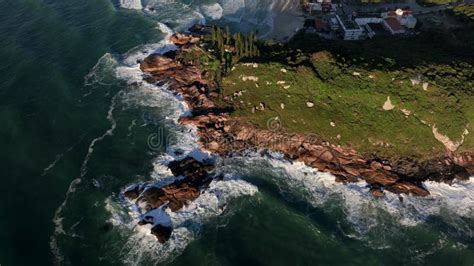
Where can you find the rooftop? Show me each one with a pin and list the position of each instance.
(394, 24)
(348, 24)
(402, 13)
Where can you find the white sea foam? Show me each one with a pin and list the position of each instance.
(450, 203)
(131, 4)
(317, 188)
(457, 198)
(58, 219)
(53, 164)
(102, 74)
(232, 6)
(212, 11)
(186, 222)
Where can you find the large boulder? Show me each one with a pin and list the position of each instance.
(158, 63)
(162, 233)
(195, 172)
(194, 176)
(408, 188)
(133, 192)
(184, 39)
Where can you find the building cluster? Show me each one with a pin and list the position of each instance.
(329, 19)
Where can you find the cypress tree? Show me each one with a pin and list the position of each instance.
(252, 49)
(213, 34)
(240, 45)
(227, 35)
(246, 43)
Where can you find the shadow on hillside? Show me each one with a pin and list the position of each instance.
(427, 48)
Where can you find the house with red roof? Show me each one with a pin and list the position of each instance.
(393, 25)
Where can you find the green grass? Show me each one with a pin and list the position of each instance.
(354, 105)
(348, 107)
(436, 2)
(464, 12)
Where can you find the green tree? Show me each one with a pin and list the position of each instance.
(214, 34)
(227, 36)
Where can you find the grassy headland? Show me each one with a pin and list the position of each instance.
(394, 97)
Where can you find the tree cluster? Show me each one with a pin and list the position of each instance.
(232, 48)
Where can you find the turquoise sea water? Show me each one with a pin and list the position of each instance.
(75, 131)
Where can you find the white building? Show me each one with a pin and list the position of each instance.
(351, 30)
(325, 7)
(367, 20)
(404, 17)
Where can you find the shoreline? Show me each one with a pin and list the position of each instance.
(226, 136)
(223, 135)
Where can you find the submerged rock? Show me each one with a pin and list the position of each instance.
(376, 192)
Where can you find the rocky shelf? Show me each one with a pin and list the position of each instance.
(223, 134)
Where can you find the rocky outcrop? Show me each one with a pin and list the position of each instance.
(162, 68)
(162, 233)
(184, 39)
(224, 135)
(193, 176)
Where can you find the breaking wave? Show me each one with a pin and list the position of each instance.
(239, 15)
(213, 200)
(142, 245)
(453, 204)
(131, 4)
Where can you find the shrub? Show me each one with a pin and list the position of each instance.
(325, 65)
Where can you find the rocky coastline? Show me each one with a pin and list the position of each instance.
(225, 135)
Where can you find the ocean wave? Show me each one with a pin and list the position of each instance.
(212, 11)
(58, 219)
(140, 244)
(131, 4)
(452, 204)
(239, 15)
(187, 222)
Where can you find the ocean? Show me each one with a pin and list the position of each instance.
(79, 126)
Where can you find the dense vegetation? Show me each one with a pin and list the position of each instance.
(345, 105)
(464, 12)
(436, 2)
(233, 48)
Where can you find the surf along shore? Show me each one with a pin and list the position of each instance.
(222, 132)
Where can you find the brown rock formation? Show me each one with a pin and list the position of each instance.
(184, 39)
(194, 176)
(219, 133)
(163, 233)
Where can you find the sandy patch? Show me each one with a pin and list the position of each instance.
(448, 143)
(425, 86)
(387, 106)
(251, 78)
(406, 112)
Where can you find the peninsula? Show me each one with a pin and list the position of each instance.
(391, 119)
